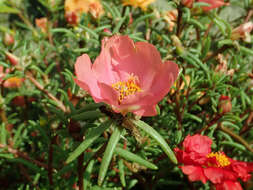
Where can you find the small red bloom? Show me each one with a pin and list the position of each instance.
(12, 58)
(212, 4)
(200, 164)
(225, 104)
(8, 39)
(130, 77)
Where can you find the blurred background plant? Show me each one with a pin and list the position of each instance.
(52, 134)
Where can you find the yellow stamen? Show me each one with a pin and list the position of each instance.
(126, 88)
(221, 158)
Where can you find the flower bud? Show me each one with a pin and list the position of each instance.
(12, 58)
(107, 31)
(19, 101)
(187, 3)
(71, 18)
(42, 23)
(179, 47)
(13, 82)
(8, 39)
(242, 31)
(225, 104)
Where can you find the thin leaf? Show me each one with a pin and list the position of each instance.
(90, 138)
(87, 174)
(88, 115)
(108, 154)
(122, 173)
(134, 158)
(6, 9)
(157, 137)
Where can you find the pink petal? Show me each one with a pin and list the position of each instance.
(85, 76)
(157, 86)
(140, 59)
(102, 66)
(109, 95)
(163, 81)
(146, 111)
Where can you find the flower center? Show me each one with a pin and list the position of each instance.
(126, 88)
(222, 159)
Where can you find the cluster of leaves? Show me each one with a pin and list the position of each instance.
(57, 138)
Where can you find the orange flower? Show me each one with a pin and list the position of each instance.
(13, 82)
(171, 17)
(74, 9)
(42, 23)
(143, 4)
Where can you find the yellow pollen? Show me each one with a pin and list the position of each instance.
(126, 88)
(221, 159)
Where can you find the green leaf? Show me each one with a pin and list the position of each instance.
(90, 138)
(134, 158)
(17, 136)
(88, 115)
(121, 21)
(157, 137)
(122, 173)
(8, 156)
(87, 174)
(105, 188)
(142, 18)
(6, 9)
(89, 107)
(3, 134)
(108, 154)
(234, 144)
(193, 117)
(90, 31)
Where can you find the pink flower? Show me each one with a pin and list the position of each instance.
(129, 76)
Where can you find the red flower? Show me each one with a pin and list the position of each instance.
(200, 164)
(130, 77)
(229, 185)
(212, 4)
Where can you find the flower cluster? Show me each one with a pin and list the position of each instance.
(126, 75)
(143, 4)
(201, 164)
(75, 8)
